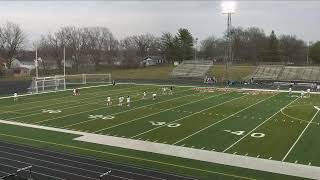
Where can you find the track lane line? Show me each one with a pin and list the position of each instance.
(55, 157)
(130, 157)
(35, 172)
(44, 167)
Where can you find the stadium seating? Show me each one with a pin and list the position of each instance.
(287, 73)
(194, 69)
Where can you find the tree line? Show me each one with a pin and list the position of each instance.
(99, 46)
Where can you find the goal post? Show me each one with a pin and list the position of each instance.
(59, 82)
(50, 83)
(88, 78)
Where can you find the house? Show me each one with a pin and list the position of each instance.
(15, 63)
(152, 60)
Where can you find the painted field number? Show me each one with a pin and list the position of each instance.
(51, 111)
(241, 133)
(170, 125)
(100, 117)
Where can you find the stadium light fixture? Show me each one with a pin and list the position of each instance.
(228, 7)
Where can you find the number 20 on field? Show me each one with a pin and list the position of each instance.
(241, 133)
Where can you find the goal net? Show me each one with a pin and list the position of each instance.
(88, 78)
(45, 84)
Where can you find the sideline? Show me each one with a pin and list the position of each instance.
(278, 167)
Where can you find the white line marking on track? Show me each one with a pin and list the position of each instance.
(35, 172)
(270, 157)
(257, 127)
(300, 136)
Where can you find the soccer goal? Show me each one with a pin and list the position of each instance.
(88, 78)
(46, 84)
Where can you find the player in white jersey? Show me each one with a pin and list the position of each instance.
(318, 87)
(109, 103)
(128, 101)
(74, 91)
(154, 96)
(15, 97)
(144, 95)
(120, 101)
(308, 92)
(290, 91)
(302, 94)
(164, 90)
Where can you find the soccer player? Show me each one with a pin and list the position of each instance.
(74, 92)
(77, 92)
(302, 94)
(144, 95)
(164, 90)
(308, 92)
(318, 87)
(290, 91)
(171, 90)
(109, 103)
(15, 97)
(128, 101)
(154, 96)
(113, 83)
(120, 101)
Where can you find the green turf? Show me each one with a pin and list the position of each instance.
(251, 124)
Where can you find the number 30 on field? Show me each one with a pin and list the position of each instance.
(240, 133)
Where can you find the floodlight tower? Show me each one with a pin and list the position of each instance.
(229, 8)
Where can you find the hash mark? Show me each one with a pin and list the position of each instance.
(270, 157)
(235, 153)
(258, 156)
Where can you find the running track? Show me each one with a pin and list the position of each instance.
(51, 165)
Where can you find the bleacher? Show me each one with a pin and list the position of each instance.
(267, 72)
(193, 69)
(287, 73)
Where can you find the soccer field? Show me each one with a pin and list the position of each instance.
(265, 125)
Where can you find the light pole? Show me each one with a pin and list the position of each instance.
(308, 51)
(229, 8)
(195, 49)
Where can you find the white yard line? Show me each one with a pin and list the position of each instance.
(66, 103)
(93, 110)
(300, 136)
(127, 110)
(203, 129)
(69, 107)
(157, 113)
(188, 116)
(286, 168)
(258, 126)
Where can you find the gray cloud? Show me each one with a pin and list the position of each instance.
(125, 18)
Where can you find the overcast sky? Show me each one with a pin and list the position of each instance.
(202, 18)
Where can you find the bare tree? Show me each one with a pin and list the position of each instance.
(11, 40)
(99, 44)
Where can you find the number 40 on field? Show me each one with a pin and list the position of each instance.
(241, 133)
